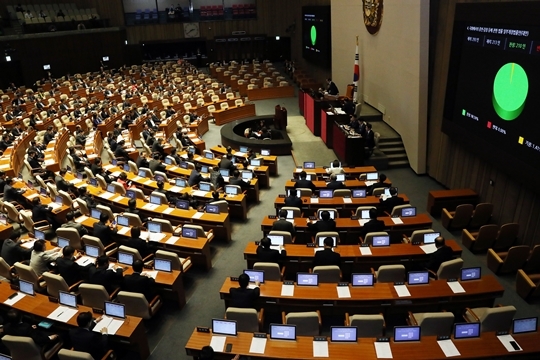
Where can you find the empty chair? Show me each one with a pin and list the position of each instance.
(417, 236)
(102, 250)
(498, 318)
(83, 207)
(72, 235)
(56, 283)
(95, 295)
(533, 261)
(450, 269)
(137, 305)
(147, 172)
(65, 354)
(6, 271)
(480, 241)
(308, 323)
(119, 188)
(230, 96)
(287, 237)
(247, 320)
(222, 204)
(135, 253)
(432, 323)
(378, 191)
(238, 102)
(224, 106)
(272, 272)
(101, 182)
(26, 273)
(368, 326)
(138, 193)
(166, 225)
(458, 219)
(506, 237)
(133, 219)
(527, 285)
(509, 261)
(396, 210)
(22, 347)
(481, 215)
(328, 274)
(369, 236)
(342, 193)
(106, 210)
(177, 263)
(389, 273)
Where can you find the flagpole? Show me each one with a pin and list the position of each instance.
(356, 75)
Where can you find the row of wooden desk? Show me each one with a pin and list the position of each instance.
(271, 160)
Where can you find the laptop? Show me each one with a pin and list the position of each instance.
(374, 176)
(408, 212)
(180, 182)
(276, 240)
(362, 280)
(224, 327)
(92, 251)
(224, 172)
(159, 178)
(321, 240)
(162, 265)
(309, 165)
(62, 242)
(231, 190)
(40, 235)
(126, 167)
(115, 309)
(332, 214)
(466, 330)
(247, 175)
(298, 192)
(58, 199)
(387, 191)
(205, 186)
(212, 209)
(343, 333)
(156, 200)
(418, 277)
(191, 150)
(93, 182)
(67, 299)
(182, 204)
(243, 149)
(326, 194)
(364, 214)
(184, 165)
(26, 287)
(122, 220)
(406, 333)
(111, 188)
(383, 240)
(472, 273)
(340, 177)
(189, 233)
(131, 194)
(290, 214)
(204, 169)
(282, 332)
(307, 279)
(430, 238)
(142, 173)
(209, 155)
(125, 258)
(359, 193)
(154, 227)
(95, 213)
(255, 275)
(265, 152)
(255, 162)
(524, 325)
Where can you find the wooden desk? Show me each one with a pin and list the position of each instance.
(485, 347)
(270, 93)
(349, 184)
(234, 113)
(449, 199)
(352, 172)
(348, 149)
(270, 161)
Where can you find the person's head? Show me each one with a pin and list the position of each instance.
(215, 195)
(160, 185)
(373, 213)
(439, 242)
(70, 216)
(382, 178)
(39, 246)
(82, 191)
(103, 218)
(137, 266)
(14, 317)
(293, 193)
(2, 174)
(84, 319)
(369, 126)
(229, 150)
(123, 176)
(393, 191)
(325, 215)
(68, 251)
(207, 353)
(236, 173)
(243, 280)
(9, 181)
(36, 201)
(156, 156)
(15, 235)
(97, 161)
(335, 163)
(103, 260)
(328, 242)
(228, 156)
(266, 242)
(329, 80)
(303, 175)
(63, 171)
(132, 203)
(282, 214)
(135, 232)
(333, 177)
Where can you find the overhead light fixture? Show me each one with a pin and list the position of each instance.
(8, 58)
(277, 37)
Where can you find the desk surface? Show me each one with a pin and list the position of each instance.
(338, 201)
(349, 184)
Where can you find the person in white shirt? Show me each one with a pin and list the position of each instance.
(335, 168)
(41, 258)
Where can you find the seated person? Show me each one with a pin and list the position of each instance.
(236, 179)
(12, 251)
(71, 223)
(379, 184)
(394, 200)
(327, 256)
(85, 340)
(293, 200)
(156, 164)
(226, 163)
(132, 209)
(195, 177)
(161, 189)
(266, 254)
(138, 282)
(84, 196)
(141, 245)
(324, 224)
(68, 268)
(101, 275)
(120, 152)
(282, 224)
(104, 230)
(334, 183)
(442, 254)
(80, 162)
(373, 225)
(16, 327)
(13, 194)
(61, 183)
(242, 297)
(157, 147)
(335, 169)
(40, 259)
(41, 212)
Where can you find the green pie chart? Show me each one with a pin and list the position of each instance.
(510, 90)
(313, 35)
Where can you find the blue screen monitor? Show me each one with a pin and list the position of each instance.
(231, 190)
(131, 194)
(466, 330)
(326, 194)
(282, 332)
(205, 186)
(244, 149)
(92, 251)
(93, 182)
(362, 280)
(472, 273)
(95, 213)
(180, 182)
(255, 162)
(168, 161)
(40, 235)
(26, 287)
(307, 279)
(309, 165)
(209, 155)
(142, 173)
(204, 169)
(125, 258)
(372, 176)
(406, 333)
(224, 327)
(184, 165)
(191, 150)
(255, 275)
(122, 220)
(247, 175)
(408, 212)
(383, 240)
(343, 333)
(156, 200)
(163, 265)
(212, 209)
(224, 172)
(182, 204)
(265, 152)
(524, 325)
(340, 177)
(154, 227)
(62, 242)
(359, 193)
(189, 233)
(418, 277)
(430, 238)
(126, 167)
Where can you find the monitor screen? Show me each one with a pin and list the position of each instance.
(126, 167)
(309, 165)
(524, 325)
(5, 357)
(224, 327)
(292, 191)
(265, 152)
(430, 238)
(205, 186)
(255, 162)
(26, 287)
(111, 188)
(311, 177)
(276, 239)
(156, 200)
(307, 279)
(182, 204)
(47, 67)
(115, 309)
(58, 199)
(383, 240)
(114, 162)
(122, 220)
(191, 150)
(67, 299)
(343, 333)
(472, 273)
(189, 233)
(244, 149)
(125, 258)
(406, 333)
(95, 213)
(168, 161)
(154, 227)
(359, 193)
(247, 175)
(162, 265)
(80, 175)
(408, 212)
(180, 182)
(142, 173)
(159, 178)
(316, 35)
(131, 194)
(105, 58)
(43, 191)
(466, 330)
(321, 240)
(372, 176)
(418, 277)
(40, 235)
(231, 190)
(282, 332)
(209, 155)
(3, 219)
(184, 165)
(93, 182)
(331, 212)
(224, 172)
(255, 275)
(204, 169)
(364, 214)
(326, 194)
(362, 280)
(92, 251)
(63, 242)
(212, 209)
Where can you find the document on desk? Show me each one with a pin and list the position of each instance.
(115, 174)
(287, 290)
(314, 200)
(257, 345)
(197, 215)
(85, 260)
(148, 182)
(107, 195)
(156, 236)
(506, 339)
(172, 240)
(137, 178)
(81, 219)
(110, 323)
(369, 183)
(218, 343)
(31, 196)
(168, 210)
(18, 296)
(62, 313)
(124, 230)
(320, 348)
(75, 181)
(456, 287)
(151, 274)
(175, 189)
(199, 193)
(383, 350)
(173, 168)
(429, 248)
(397, 220)
(118, 198)
(402, 290)
(150, 206)
(343, 292)
(365, 250)
(448, 348)
(363, 222)
(347, 200)
(28, 244)
(108, 167)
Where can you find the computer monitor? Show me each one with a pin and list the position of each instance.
(182, 204)
(204, 169)
(26, 287)
(265, 152)
(91, 250)
(114, 162)
(125, 258)
(418, 277)
(224, 327)
(95, 213)
(524, 325)
(224, 172)
(131, 194)
(115, 309)
(62, 242)
(168, 161)
(142, 173)
(340, 177)
(373, 176)
(189, 233)
(184, 165)
(387, 191)
(343, 333)
(359, 193)
(205, 186)
(156, 200)
(191, 150)
(105, 58)
(58, 199)
(408, 212)
(40, 235)
(233, 160)
(406, 333)
(231, 190)
(209, 155)
(331, 212)
(159, 178)
(364, 214)
(122, 220)
(362, 280)
(298, 192)
(212, 209)
(472, 273)
(93, 182)
(43, 191)
(247, 175)
(154, 227)
(243, 149)
(307, 279)
(5, 357)
(276, 239)
(3, 219)
(282, 332)
(430, 237)
(311, 177)
(309, 164)
(255, 162)
(80, 175)
(111, 188)
(29, 184)
(466, 330)
(126, 167)
(382, 240)
(322, 238)
(67, 299)
(255, 275)
(290, 214)
(162, 265)
(180, 182)
(326, 194)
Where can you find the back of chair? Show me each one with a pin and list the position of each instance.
(418, 235)
(176, 263)
(368, 326)
(166, 225)
(83, 207)
(362, 208)
(55, 283)
(147, 172)
(396, 210)
(369, 236)
(65, 354)
(378, 191)
(72, 235)
(94, 241)
(130, 250)
(162, 174)
(307, 322)
(136, 304)
(223, 205)
(106, 210)
(390, 273)
(199, 228)
(101, 182)
(139, 193)
(450, 269)
(506, 237)
(119, 188)
(89, 173)
(342, 193)
(435, 323)
(515, 259)
(5, 270)
(93, 295)
(497, 318)
(481, 215)
(247, 320)
(53, 190)
(26, 273)
(486, 237)
(533, 262)
(328, 274)
(133, 219)
(271, 270)
(296, 211)
(12, 212)
(133, 167)
(305, 192)
(22, 347)
(462, 216)
(287, 238)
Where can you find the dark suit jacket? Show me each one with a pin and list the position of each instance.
(88, 341)
(140, 284)
(142, 162)
(104, 232)
(61, 183)
(270, 255)
(370, 139)
(156, 165)
(240, 182)
(371, 226)
(23, 329)
(326, 257)
(70, 270)
(11, 193)
(40, 213)
(80, 229)
(442, 254)
(110, 279)
(388, 204)
(322, 225)
(375, 186)
(335, 185)
(157, 147)
(13, 252)
(141, 245)
(225, 163)
(305, 184)
(294, 202)
(244, 298)
(284, 225)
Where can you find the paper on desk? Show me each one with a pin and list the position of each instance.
(110, 323)
(429, 248)
(320, 348)
(172, 240)
(347, 200)
(152, 274)
(343, 292)
(198, 193)
(383, 350)
(107, 195)
(505, 340)
(137, 178)
(49, 161)
(156, 236)
(298, 170)
(365, 250)
(175, 189)
(62, 313)
(239, 153)
(218, 343)
(28, 244)
(4, 166)
(118, 198)
(109, 166)
(257, 345)
(54, 206)
(291, 221)
(14, 299)
(150, 206)
(124, 230)
(168, 210)
(402, 290)
(317, 249)
(31, 196)
(363, 222)
(287, 290)
(116, 174)
(81, 219)
(448, 347)
(85, 260)
(314, 200)
(397, 220)
(75, 181)
(369, 183)
(456, 287)
(148, 182)
(197, 215)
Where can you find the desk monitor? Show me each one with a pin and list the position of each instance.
(184, 165)
(362, 280)
(159, 178)
(115, 309)
(311, 177)
(387, 191)
(255, 275)
(340, 177)
(204, 169)
(168, 161)
(105, 58)
(126, 167)
(29, 184)
(80, 175)
(182, 204)
(290, 214)
(40, 235)
(343, 333)
(122, 220)
(111, 188)
(359, 193)
(26, 287)
(321, 240)
(332, 213)
(233, 160)
(3, 219)
(231, 190)
(142, 173)
(364, 214)
(114, 162)
(131, 194)
(466, 330)
(191, 150)
(58, 199)
(67, 299)
(93, 182)
(42, 191)
(307, 279)
(209, 155)
(255, 162)
(309, 164)
(406, 333)
(408, 212)
(95, 213)
(418, 277)
(47, 67)
(125, 258)
(162, 265)
(373, 176)
(91, 250)
(247, 175)
(326, 194)
(5, 357)
(472, 273)
(383, 240)
(282, 332)
(265, 152)
(430, 238)
(224, 327)
(524, 325)
(156, 200)
(276, 240)
(224, 172)
(154, 227)
(189, 233)
(212, 209)
(243, 149)
(180, 182)
(205, 186)
(62, 242)
(298, 192)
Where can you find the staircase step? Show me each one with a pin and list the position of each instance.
(396, 156)
(383, 141)
(399, 163)
(392, 150)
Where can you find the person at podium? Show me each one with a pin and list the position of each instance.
(331, 87)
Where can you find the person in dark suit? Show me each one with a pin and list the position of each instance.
(132, 209)
(120, 152)
(293, 200)
(236, 179)
(2, 180)
(49, 135)
(331, 87)
(85, 340)
(266, 254)
(61, 183)
(103, 230)
(327, 256)
(157, 147)
(101, 275)
(370, 140)
(324, 224)
(282, 224)
(13, 194)
(303, 183)
(12, 251)
(226, 163)
(156, 165)
(71, 223)
(242, 297)
(195, 177)
(68, 268)
(41, 212)
(142, 161)
(394, 200)
(334, 184)
(141, 245)
(16, 327)
(373, 225)
(379, 184)
(139, 283)
(442, 254)
(83, 195)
